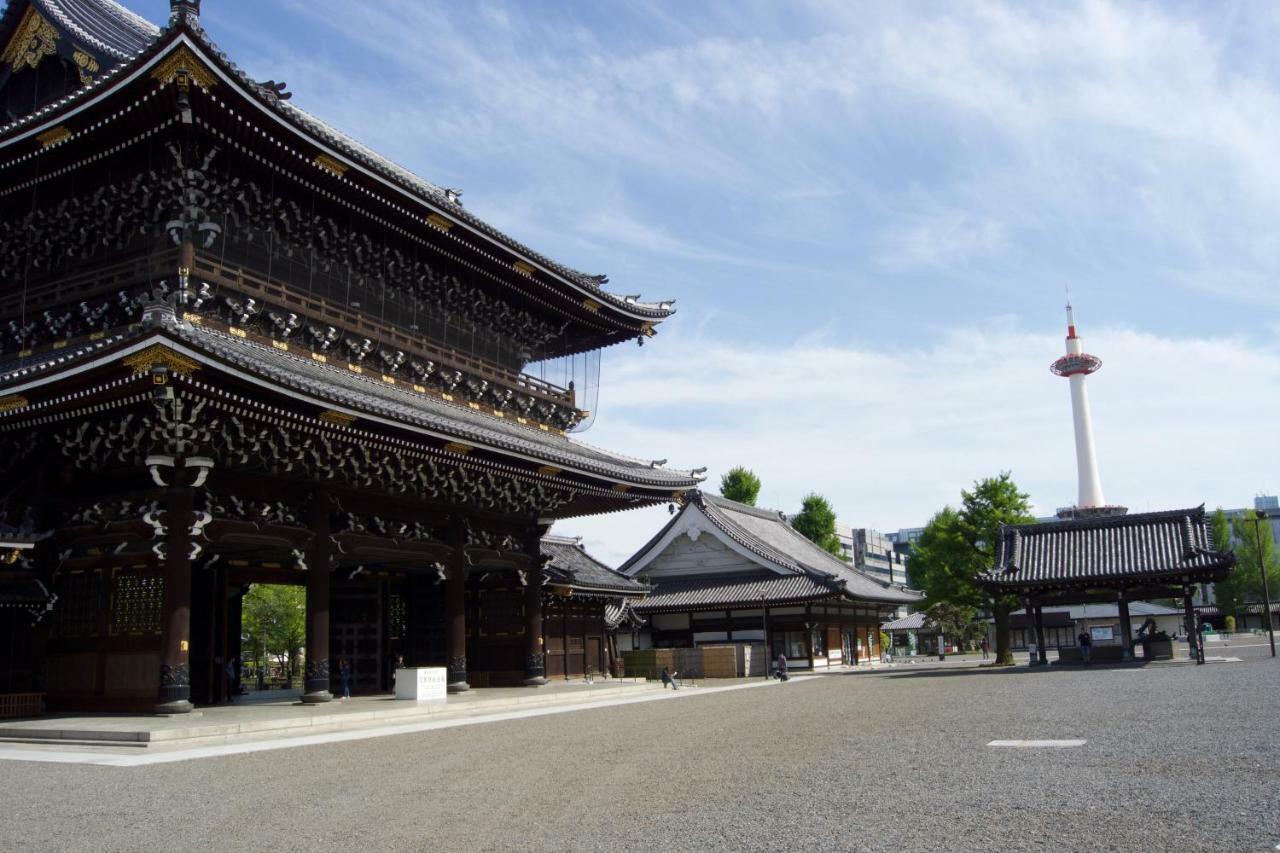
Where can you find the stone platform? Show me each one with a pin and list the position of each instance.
(281, 714)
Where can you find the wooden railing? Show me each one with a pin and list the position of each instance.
(21, 705)
(97, 280)
(259, 287)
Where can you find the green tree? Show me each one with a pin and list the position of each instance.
(741, 485)
(1253, 546)
(957, 545)
(274, 619)
(957, 622)
(816, 522)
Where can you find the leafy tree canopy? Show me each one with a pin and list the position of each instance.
(741, 485)
(1253, 546)
(275, 617)
(816, 521)
(957, 545)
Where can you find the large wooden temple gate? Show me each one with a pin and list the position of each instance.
(237, 347)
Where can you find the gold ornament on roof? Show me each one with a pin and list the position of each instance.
(331, 164)
(143, 361)
(87, 64)
(341, 419)
(183, 68)
(33, 40)
(13, 402)
(53, 136)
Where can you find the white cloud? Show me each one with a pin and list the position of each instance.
(890, 436)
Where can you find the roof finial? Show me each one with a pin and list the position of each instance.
(184, 9)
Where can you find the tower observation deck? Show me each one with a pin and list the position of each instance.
(1075, 365)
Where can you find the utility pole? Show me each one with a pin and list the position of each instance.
(1262, 569)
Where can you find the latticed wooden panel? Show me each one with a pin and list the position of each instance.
(79, 603)
(396, 617)
(137, 603)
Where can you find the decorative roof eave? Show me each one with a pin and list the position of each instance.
(732, 604)
(183, 33)
(1010, 583)
(639, 490)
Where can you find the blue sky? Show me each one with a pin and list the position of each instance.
(868, 214)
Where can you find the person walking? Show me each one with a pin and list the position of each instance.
(231, 679)
(670, 678)
(986, 646)
(1086, 647)
(344, 677)
(781, 670)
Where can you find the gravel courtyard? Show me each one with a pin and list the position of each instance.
(1177, 757)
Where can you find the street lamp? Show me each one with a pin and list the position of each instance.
(1262, 569)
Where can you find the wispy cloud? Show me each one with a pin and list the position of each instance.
(892, 435)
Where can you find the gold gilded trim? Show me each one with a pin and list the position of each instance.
(33, 40)
(591, 305)
(87, 65)
(332, 165)
(523, 268)
(621, 487)
(143, 361)
(439, 221)
(550, 470)
(459, 447)
(336, 418)
(183, 68)
(53, 136)
(13, 402)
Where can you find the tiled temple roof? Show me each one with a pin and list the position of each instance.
(1126, 550)
(807, 571)
(363, 395)
(709, 593)
(571, 564)
(914, 622)
(767, 533)
(128, 38)
(106, 28)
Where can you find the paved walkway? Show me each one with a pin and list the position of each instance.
(280, 713)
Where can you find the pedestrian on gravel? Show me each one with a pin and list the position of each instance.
(669, 678)
(985, 647)
(781, 671)
(344, 677)
(1086, 647)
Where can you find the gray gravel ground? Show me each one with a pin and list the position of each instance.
(1178, 757)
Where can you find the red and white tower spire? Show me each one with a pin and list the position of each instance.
(1076, 365)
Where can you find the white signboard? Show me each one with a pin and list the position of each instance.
(421, 683)
(1101, 634)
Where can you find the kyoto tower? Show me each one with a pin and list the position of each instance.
(1076, 365)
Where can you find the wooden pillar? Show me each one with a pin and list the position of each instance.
(808, 632)
(1040, 637)
(455, 610)
(1193, 634)
(1126, 628)
(768, 644)
(174, 696)
(315, 681)
(535, 657)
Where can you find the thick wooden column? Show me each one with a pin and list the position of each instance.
(1193, 633)
(174, 696)
(1126, 628)
(1044, 657)
(315, 680)
(455, 610)
(535, 659)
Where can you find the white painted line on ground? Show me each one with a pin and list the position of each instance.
(168, 757)
(1037, 744)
